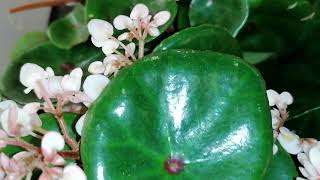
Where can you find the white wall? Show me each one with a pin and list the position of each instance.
(12, 27)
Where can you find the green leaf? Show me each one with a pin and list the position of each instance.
(28, 42)
(45, 55)
(203, 37)
(257, 57)
(69, 30)
(281, 167)
(109, 9)
(208, 109)
(49, 123)
(229, 14)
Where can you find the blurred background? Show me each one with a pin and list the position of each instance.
(13, 26)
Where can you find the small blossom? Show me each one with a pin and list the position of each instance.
(51, 143)
(100, 31)
(72, 81)
(289, 141)
(110, 46)
(20, 122)
(280, 100)
(310, 162)
(30, 74)
(94, 84)
(73, 172)
(276, 119)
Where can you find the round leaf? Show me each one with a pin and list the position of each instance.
(229, 14)
(206, 109)
(203, 37)
(69, 30)
(281, 166)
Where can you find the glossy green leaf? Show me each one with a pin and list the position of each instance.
(281, 167)
(257, 57)
(45, 55)
(208, 109)
(49, 123)
(69, 30)
(203, 37)
(109, 9)
(229, 14)
(28, 42)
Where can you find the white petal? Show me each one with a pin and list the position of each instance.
(289, 141)
(96, 67)
(161, 18)
(98, 43)
(139, 11)
(314, 156)
(109, 47)
(285, 99)
(122, 22)
(73, 172)
(100, 29)
(303, 172)
(30, 73)
(53, 86)
(274, 149)
(94, 84)
(7, 104)
(131, 48)
(31, 107)
(79, 124)
(49, 72)
(72, 82)
(123, 36)
(153, 31)
(273, 97)
(52, 142)
(110, 58)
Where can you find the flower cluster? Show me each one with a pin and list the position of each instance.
(59, 94)
(306, 149)
(138, 26)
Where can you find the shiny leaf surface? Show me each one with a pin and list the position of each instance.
(206, 109)
(69, 30)
(229, 14)
(203, 37)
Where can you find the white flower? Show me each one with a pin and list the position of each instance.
(72, 81)
(110, 46)
(276, 119)
(140, 19)
(96, 67)
(289, 141)
(79, 124)
(310, 162)
(280, 100)
(109, 63)
(20, 122)
(101, 32)
(51, 143)
(30, 74)
(94, 84)
(73, 172)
